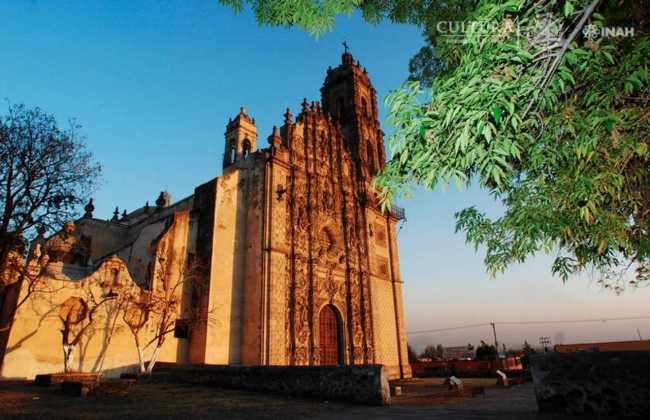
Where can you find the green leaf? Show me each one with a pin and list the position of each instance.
(463, 140)
(609, 57)
(487, 133)
(568, 8)
(496, 114)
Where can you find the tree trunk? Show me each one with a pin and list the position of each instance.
(154, 359)
(68, 357)
(143, 369)
(138, 347)
(107, 343)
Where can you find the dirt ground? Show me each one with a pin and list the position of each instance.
(424, 399)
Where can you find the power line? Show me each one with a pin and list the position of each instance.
(567, 321)
(462, 327)
(576, 321)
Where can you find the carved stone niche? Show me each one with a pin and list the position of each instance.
(328, 246)
(68, 247)
(113, 277)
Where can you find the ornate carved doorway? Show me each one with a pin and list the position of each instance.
(330, 336)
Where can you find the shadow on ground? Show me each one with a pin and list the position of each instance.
(23, 400)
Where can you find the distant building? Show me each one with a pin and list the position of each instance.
(459, 352)
(637, 345)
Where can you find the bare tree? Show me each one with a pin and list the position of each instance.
(160, 307)
(29, 271)
(77, 316)
(112, 314)
(45, 174)
(136, 315)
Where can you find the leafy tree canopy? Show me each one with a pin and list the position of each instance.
(318, 16)
(541, 103)
(555, 124)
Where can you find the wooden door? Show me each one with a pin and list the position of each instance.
(330, 344)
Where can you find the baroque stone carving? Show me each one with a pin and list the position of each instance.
(301, 314)
(326, 225)
(331, 286)
(67, 247)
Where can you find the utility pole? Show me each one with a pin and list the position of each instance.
(496, 343)
(545, 341)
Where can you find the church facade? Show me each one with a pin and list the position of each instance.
(300, 265)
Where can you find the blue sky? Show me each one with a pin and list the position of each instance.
(154, 82)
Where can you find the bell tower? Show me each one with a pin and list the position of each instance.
(241, 138)
(348, 95)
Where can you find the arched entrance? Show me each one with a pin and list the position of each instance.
(330, 336)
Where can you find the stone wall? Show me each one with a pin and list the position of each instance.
(594, 384)
(223, 336)
(366, 384)
(388, 312)
(277, 267)
(234, 302)
(383, 316)
(34, 344)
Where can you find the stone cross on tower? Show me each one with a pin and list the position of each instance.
(346, 49)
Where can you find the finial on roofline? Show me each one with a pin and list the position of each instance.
(346, 58)
(163, 200)
(275, 139)
(89, 209)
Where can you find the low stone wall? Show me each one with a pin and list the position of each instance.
(594, 384)
(58, 378)
(366, 384)
(108, 388)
